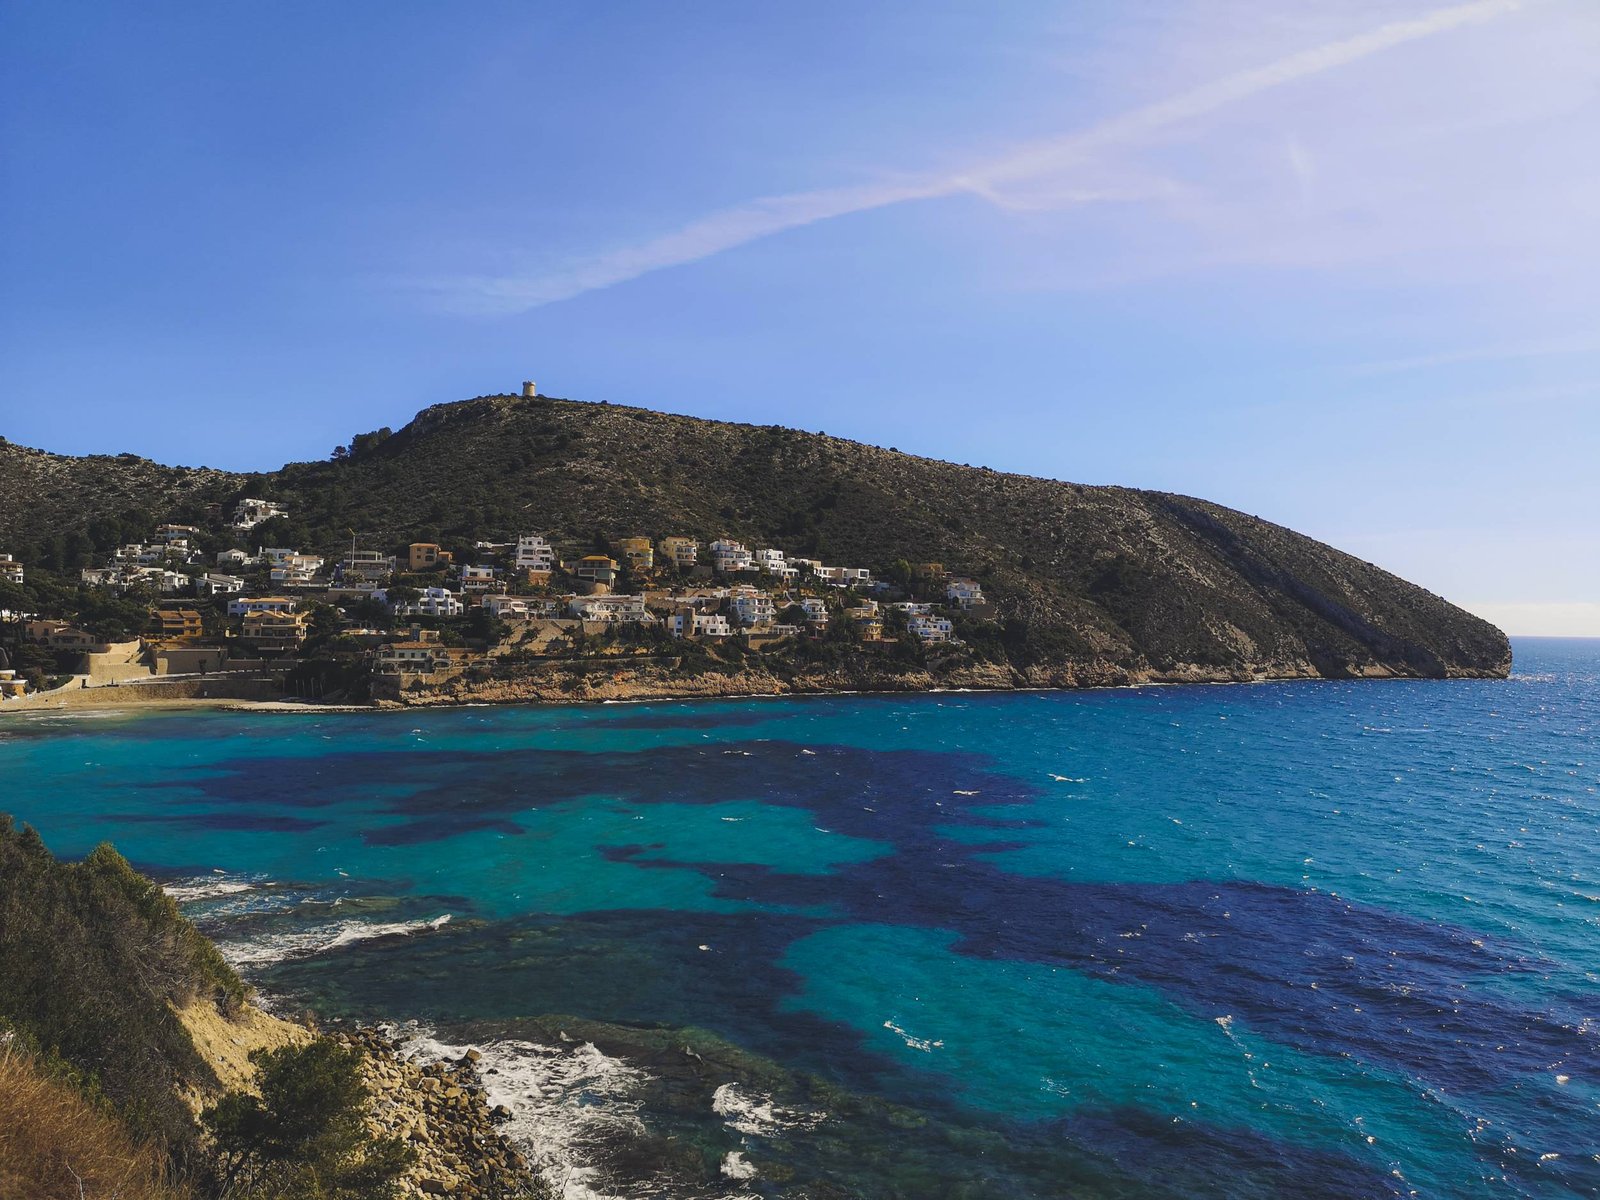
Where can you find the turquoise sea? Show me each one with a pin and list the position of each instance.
(1299, 939)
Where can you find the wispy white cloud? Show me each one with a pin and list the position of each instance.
(1555, 347)
(1012, 181)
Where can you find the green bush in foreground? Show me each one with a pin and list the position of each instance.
(305, 1136)
(92, 958)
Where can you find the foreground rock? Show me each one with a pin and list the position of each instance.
(440, 1110)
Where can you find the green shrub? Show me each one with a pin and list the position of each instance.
(95, 956)
(305, 1136)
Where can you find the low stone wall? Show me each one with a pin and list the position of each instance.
(114, 662)
(190, 660)
(153, 690)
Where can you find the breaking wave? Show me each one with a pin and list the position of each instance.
(303, 943)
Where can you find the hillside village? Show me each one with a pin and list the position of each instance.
(372, 622)
(506, 547)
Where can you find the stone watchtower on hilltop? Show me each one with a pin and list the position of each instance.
(529, 389)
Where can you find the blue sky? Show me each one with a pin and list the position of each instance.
(1337, 264)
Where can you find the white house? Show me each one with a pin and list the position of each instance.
(844, 576)
(159, 578)
(217, 585)
(411, 657)
(369, 564)
(729, 557)
(297, 570)
(751, 608)
(175, 533)
(249, 513)
(621, 610)
(931, 629)
(520, 608)
(244, 606)
(816, 610)
(690, 623)
(433, 602)
(232, 558)
(534, 553)
(10, 569)
(477, 579)
(138, 552)
(913, 608)
(964, 593)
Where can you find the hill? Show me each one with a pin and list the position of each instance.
(1091, 583)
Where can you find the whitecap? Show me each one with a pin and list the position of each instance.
(360, 931)
(303, 943)
(756, 1114)
(202, 887)
(568, 1103)
(916, 1043)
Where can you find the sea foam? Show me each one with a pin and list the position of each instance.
(303, 943)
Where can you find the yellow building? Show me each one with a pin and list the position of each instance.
(424, 556)
(637, 552)
(596, 568)
(681, 551)
(273, 632)
(176, 622)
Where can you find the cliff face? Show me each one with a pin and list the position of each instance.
(1085, 579)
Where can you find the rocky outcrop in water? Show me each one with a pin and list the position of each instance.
(441, 1112)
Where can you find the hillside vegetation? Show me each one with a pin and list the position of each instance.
(96, 957)
(1091, 583)
(105, 1091)
(55, 1145)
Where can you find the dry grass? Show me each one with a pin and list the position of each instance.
(55, 1146)
(226, 1042)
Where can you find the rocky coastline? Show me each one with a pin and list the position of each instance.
(638, 683)
(561, 684)
(441, 1111)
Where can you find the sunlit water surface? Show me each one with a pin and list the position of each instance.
(1310, 939)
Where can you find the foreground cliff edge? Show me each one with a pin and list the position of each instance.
(134, 1064)
(1083, 586)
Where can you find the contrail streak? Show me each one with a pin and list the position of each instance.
(738, 226)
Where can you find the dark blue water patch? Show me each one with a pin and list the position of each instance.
(649, 719)
(1210, 1162)
(228, 822)
(895, 796)
(1307, 968)
(648, 968)
(444, 824)
(625, 965)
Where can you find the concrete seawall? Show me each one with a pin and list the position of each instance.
(151, 690)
